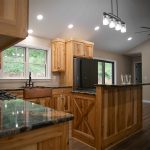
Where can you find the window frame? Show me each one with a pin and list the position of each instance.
(26, 63)
(103, 61)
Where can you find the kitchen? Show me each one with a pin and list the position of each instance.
(54, 45)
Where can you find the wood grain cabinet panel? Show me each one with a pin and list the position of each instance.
(82, 49)
(78, 48)
(84, 123)
(53, 137)
(62, 99)
(75, 48)
(58, 55)
(88, 50)
(13, 21)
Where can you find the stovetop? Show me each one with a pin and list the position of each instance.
(4, 95)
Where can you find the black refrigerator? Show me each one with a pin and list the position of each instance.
(85, 73)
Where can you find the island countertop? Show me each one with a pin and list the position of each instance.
(17, 116)
(123, 85)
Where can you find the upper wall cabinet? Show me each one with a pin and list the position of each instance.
(58, 55)
(82, 48)
(75, 48)
(13, 21)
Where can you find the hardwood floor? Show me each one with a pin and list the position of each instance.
(139, 141)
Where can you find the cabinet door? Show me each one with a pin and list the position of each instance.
(62, 102)
(61, 56)
(84, 123)
(13, 21)
(58, 56)
(78, 49)
(58, 102)
(67, 103)
(88, 50)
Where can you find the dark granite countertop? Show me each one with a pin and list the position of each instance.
(21, 88)
(18, 116)
(123, 85)
(85, 91)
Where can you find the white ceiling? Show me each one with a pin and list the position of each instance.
(85, 15)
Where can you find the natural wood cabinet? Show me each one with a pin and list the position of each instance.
(84, 123)
(58, 55)
(88, 50)
(81, 48)
(13, 22)
(54, 137)
(74, 48)
(62, 99)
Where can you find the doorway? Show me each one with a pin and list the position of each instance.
(138, 72)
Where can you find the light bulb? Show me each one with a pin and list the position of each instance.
(123, 29)
(70, 26)
(39, 17)
(112, 23)
(105, 20)
(30, 31)
(130, 38)
(96, 28)
(118, 26)
(16, 125)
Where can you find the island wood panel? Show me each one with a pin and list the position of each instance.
(121, 113)
(54, 137)
(84, 123)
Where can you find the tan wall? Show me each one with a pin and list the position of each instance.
(144, 49)
(123, 63)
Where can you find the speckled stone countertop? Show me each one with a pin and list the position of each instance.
(21, 88)
(18, 116)
(90, 92)
(123, 85)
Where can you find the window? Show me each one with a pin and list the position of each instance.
(19, 61)
(105, 72)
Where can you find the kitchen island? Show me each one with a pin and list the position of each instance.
(28, 126)
(108, 116)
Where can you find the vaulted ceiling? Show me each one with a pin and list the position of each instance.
(85, 15)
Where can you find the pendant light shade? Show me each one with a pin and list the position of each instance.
(105, 20)
(123, 29)
(112, 23)
(118, 26)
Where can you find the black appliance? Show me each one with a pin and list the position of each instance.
(85, 73)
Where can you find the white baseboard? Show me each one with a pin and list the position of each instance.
(146, 101)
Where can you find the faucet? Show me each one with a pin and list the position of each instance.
(29, 82)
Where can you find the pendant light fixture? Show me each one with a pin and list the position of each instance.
(113, 21)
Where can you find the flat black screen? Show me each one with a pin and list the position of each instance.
(85, 73)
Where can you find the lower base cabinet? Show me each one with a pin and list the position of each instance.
(54, 137)
(60, 99)
(84, 123)
(46, 101)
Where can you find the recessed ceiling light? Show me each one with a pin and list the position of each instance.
(30, 31)
(130, 38)
(96, 28)
(39, 17)
(70, 26)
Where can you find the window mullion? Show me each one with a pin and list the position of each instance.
(27, 62)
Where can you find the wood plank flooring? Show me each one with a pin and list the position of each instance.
(139, 141)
